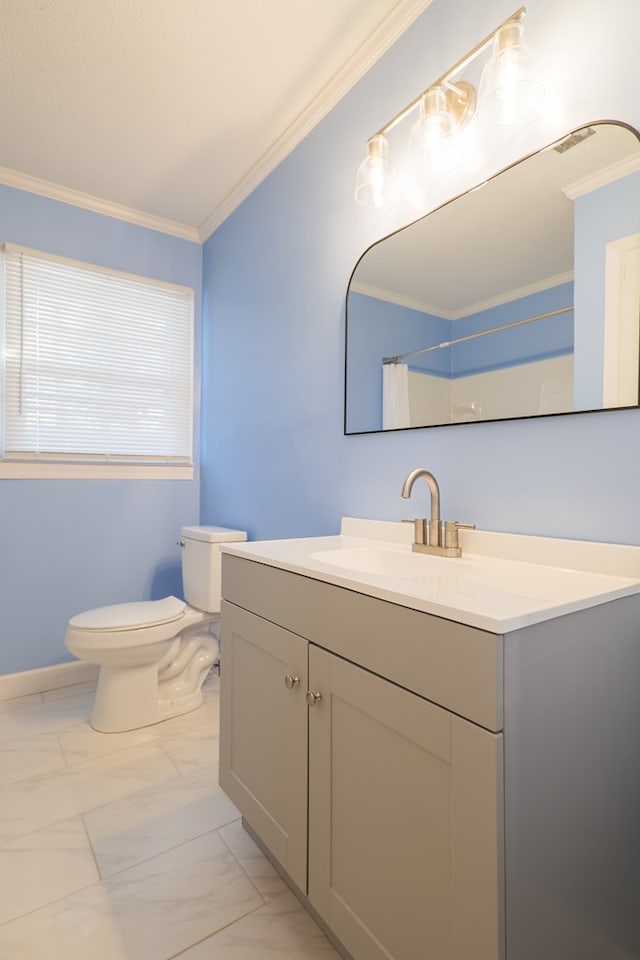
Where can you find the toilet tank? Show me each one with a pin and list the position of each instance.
(201, 564)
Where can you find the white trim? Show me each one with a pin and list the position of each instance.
(44, 188)
(378, 293)
(622, 286)
(530, 288)
(23, 684)
(621, 168)
(390, 297)
(30, 470)
(378, 42)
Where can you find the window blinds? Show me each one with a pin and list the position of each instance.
(98, 365)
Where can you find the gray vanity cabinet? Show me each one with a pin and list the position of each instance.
(404, 802)
(263, 746)
(404, 817)
(471, 795)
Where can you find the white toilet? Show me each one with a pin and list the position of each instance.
(154, 655)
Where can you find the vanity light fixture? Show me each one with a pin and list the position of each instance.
(508, 92)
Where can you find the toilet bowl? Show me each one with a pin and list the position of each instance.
(154, 655)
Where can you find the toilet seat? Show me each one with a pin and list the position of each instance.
(128, 625)
(130, 616)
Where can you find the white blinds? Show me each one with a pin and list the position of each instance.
(98, 364)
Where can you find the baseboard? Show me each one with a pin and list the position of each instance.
(46, 678)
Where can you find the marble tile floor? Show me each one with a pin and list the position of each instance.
(123, 846)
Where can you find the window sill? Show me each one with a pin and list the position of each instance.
(92, 471)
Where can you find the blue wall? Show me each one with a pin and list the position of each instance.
(68, 545)
(377, 329)
(276, 272)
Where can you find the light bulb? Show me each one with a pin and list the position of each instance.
(509, 88)
(435, 138)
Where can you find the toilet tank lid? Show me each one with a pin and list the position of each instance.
(213, 534)
(123, 616)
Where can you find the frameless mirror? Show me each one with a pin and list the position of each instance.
(517, 299)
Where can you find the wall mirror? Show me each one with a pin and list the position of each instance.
(517, 299)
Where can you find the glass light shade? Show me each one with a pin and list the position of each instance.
(434, 123)
(376, 179)
(430, 143)
(509, 88)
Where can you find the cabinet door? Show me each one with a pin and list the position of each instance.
(263, 733)
(405, 821)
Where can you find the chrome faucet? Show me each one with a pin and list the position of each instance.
(433, 535)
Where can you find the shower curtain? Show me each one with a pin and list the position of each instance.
(395, 396)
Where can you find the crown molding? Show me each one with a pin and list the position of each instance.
(44, 188)
(378, 42)
(622, 168)
(390, 296)
(538, 287)
(508, 296)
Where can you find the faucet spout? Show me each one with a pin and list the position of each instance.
(434, 490)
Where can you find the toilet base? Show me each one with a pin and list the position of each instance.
(127, 699)
(130, 697)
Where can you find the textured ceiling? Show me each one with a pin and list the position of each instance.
(175, 108)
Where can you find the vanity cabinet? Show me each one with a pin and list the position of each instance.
(383, 807)
(457, 793)
(263, 747)
(404, 815)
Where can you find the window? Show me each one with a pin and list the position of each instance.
(97, 371)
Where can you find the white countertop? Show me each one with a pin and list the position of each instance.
(502, 581)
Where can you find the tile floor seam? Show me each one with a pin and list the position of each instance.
(82, 813)
(93, 852)
(64, 896)
(105, 880)
(179, 774)
(45, 826)
(264, 901)
(123, 750)
(49, 903)
(144, 789)
(56, 734)
(225, 926)
(126, 796)
(159, 853)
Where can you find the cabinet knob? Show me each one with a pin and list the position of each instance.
(313, 698)
(290, 681)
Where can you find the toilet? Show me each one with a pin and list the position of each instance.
(155, 655)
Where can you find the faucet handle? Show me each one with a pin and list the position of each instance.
(421, 529)
(451, 528)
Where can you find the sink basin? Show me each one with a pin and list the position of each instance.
(386, 562)
(471, 576)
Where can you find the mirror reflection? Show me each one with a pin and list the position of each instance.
(517, 299)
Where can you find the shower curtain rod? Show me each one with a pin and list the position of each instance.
(475, 336)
